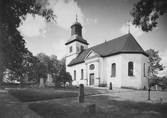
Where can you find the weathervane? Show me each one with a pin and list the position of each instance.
(128, 26)
(76, 18)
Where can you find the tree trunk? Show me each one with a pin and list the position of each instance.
(1, 75)
(21, 82)
(1, 68)
(64, 84)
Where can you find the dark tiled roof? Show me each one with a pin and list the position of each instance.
(76, 38)
(123, 44)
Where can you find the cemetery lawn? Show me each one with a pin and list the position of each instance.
(106, 107)
(29, 95)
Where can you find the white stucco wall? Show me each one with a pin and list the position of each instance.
(102, 71)
(73, 44)
(144, 81)
(76, 48)
(137, 81)
(107, 62)
(78, 44)
(78, 69)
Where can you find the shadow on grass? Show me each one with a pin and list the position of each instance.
(38, 95)
(105, 108)
(29, 95)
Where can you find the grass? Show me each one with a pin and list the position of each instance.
(105, 108)
(29, 95)
(49, 110)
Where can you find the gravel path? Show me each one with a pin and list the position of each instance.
(11, 107)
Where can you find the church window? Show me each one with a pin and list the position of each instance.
(82, 74)
(113, 70)
(74, 74)
(92, 66)
(82, 48)
(130, 68)
(144, 70)
(70, 48)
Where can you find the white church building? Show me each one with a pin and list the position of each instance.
(121, 61)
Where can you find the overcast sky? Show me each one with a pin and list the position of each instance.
(101, 20)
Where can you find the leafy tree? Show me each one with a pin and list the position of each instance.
(54, 65)
(62, 76)
(164, 82)
(146, 13)
(42, 65)
(153, 67)
(153, 63)
(12, 44)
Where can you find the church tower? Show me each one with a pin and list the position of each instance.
(76, 43)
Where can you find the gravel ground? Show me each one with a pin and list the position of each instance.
(141, 96)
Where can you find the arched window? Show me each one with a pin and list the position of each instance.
(144, 70)
(130, 68)
(74, 74)
(70, 48)
(82, 74)
(113, 70)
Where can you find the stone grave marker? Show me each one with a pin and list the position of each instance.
(41, 83)
(90, 109)
(110, 86)
(81, 93)
(26, 78)
(49, 80)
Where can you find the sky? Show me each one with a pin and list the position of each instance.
(101, 20)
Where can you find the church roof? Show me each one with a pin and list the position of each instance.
(76, 37)
(123, 44)
(76, 23)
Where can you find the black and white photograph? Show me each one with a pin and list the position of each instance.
(83, 58)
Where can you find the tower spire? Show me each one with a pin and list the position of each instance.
(128, 26)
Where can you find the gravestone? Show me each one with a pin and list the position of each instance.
(90, 109)
(26, 78)
(41, 83)
(49, 80)
(81, 93)
(110, 85)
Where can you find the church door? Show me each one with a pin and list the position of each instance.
(91, 79)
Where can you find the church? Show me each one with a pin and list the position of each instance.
(120, 61)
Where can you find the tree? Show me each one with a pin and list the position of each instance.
(153, 67)
(40, 66)
(43, 65)
(164, 82)
(54, 65)
(62, 76)
(153, 63)
(12, 44)
(146, 12)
